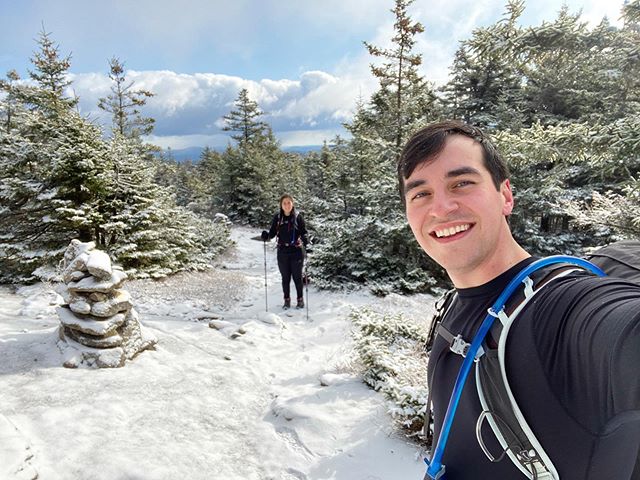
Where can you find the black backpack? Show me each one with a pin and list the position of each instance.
(500, 409)
(621, 259)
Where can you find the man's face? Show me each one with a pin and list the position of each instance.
(455, 211)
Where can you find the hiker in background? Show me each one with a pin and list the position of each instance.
(291, 234)
(573, 353)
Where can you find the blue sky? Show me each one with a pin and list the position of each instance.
(303, 61)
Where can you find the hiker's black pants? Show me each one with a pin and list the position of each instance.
(290, 262)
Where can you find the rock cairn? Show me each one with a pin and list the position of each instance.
(99, 326)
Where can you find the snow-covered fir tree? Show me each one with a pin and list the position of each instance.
(59, 180)
(254, 172)
(145, 230)
(124, 103)
(371, 244)
(52, 167)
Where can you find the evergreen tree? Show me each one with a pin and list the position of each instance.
(52, 169)
(206, 183)
(565, 69)
(370, 242)
(256, 172)
(124, 103)
(12, 89)
(146, 231)
(558, 171)
(50, 75)
(60, 180)
(404, 96)
(626, 52)
(53, 179)
(485, 86)
(244, 119)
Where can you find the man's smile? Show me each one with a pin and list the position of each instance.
(448, 232)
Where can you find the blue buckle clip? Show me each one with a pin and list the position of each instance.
(430, 476)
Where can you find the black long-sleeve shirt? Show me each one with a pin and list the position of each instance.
(290, 230)
(573, 362)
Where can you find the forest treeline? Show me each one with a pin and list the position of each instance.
(561, 99)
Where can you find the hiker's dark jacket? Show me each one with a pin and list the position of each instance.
(290, 231)
(573, 360)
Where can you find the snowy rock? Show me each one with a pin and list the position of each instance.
(270, 318)
(77, 355)
(88, 324)
(106, 341)
(76, 275)
(98, 297)
(119, 302)
(92, 284)
(62, 290)
(135, 337)
(75, 249)
(328, 379)
(110, 358)
(220, 324)
(99, 265)
(99, 326)
(80, 305)
(78, 264)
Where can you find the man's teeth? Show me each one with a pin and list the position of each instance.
(447, 232)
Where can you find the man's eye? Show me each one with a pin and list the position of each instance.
(420, 195)
(463, 183)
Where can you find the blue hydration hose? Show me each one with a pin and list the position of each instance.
(435, 468)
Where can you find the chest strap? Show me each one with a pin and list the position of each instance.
(457, 344)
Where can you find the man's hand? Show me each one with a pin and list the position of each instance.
(264, 235)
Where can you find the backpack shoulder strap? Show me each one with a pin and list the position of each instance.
(278, 225)
(442, 307)
(499, 406)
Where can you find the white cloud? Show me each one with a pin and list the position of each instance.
(177, 142)
(296, 138)
(188, 108)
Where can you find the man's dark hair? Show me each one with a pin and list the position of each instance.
(429, 141)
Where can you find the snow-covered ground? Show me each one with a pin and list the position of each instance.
(244, 400)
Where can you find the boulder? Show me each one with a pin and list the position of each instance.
(108, 341)
(76, 248)
(88, 324)
(98, 297)
(80, 305)
(119, 302)
(92, 284)
(99, 265)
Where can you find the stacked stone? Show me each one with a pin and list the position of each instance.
(99, 326)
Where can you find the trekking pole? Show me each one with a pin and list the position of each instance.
(266, 306)
(306, 285)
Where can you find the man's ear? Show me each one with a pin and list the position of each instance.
(507, 195)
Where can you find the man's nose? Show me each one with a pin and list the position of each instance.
(443, 204)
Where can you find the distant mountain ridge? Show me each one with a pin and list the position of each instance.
(193, 153)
